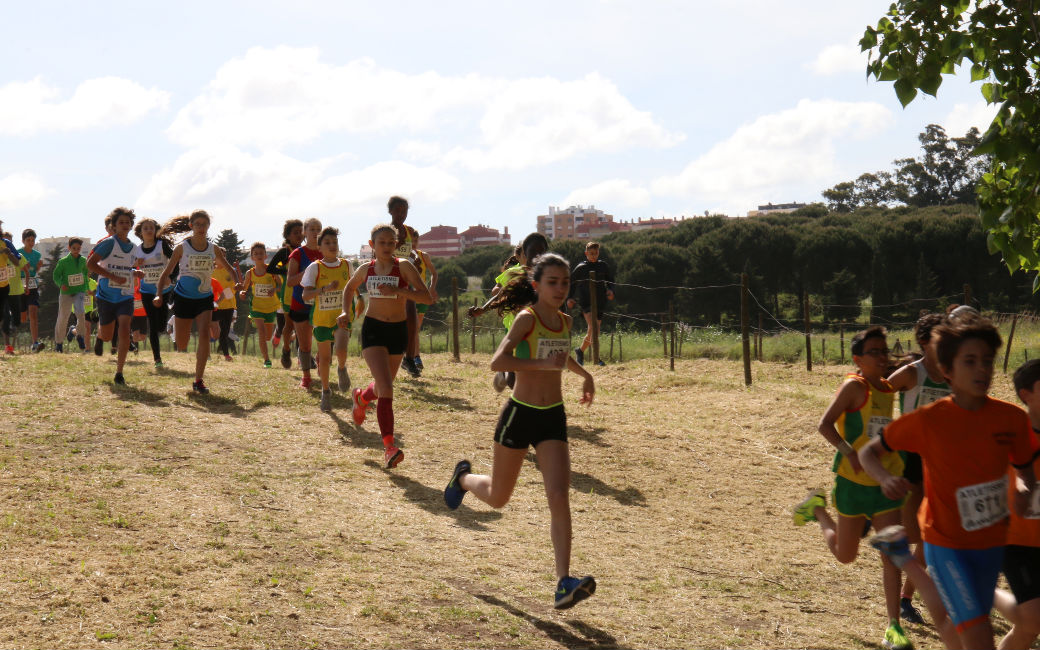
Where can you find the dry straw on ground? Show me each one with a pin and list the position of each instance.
(147, 516)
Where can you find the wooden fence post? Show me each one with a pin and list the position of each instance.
(745, 343)
(823, 351)
(619, 351)
(455, 318)
(808, 331)
(671, 329)
(1011, 336)
(664, 337)
(841, 333)
(612, 343)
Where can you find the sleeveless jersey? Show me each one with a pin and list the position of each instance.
(860, 426)
(227, 297)
(394, 279)
(329, 305)
(924, 392)
(196, 271)
(542, 340)
(405, 246)
(117, 257)
(265, 292)
(152, 266)
(304, 258)
(422, 267)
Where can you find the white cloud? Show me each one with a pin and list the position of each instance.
(839, 59)
(237, 185)
(964, 116)
(271, 98)
(615, 192)
(30, 107)
(22, 189)
(790, 148)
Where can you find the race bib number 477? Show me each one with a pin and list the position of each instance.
(983, 504)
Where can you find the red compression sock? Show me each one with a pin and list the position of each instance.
(369, 394)
(385, 416)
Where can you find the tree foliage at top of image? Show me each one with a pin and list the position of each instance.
(918, 41)
(946, 173)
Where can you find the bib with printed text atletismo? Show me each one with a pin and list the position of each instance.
(373, 280)
(923, 392)
(543, 340)
(329, 303)
(864, 423)
(983, 504)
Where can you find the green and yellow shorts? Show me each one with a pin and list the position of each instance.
(853, 500)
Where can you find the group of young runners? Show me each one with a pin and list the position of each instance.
(953, 475)
(306, 293)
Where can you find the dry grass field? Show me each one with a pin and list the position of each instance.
(147, 516)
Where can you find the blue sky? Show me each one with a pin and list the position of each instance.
(477, 112)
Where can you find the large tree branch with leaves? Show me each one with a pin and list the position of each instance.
(918, 41)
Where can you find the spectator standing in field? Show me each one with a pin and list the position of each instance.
(581, 294)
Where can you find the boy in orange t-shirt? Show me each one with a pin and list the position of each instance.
(966, 443)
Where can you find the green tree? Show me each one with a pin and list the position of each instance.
(232, 245)
(48, 291)
(447, 271)
(917, 42)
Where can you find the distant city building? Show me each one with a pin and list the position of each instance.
(769, 208)
(447, 241)
(578, 222)
(47, 244)
(563, 224)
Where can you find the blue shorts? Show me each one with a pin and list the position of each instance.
(965, 579)
(111, 311)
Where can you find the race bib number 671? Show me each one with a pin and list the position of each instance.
(983, 504)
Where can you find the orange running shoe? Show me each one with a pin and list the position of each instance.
(359, 407)
(392, 456)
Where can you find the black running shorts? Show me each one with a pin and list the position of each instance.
(521, 426)
(380, 334)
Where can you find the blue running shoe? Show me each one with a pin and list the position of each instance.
(571, 591)
(891, 541)
(453, 493)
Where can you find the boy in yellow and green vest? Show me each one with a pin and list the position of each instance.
(859, 412)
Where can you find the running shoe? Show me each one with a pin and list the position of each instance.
(34, 347)
(228, 357)
(326, 401)
(417, 360)
(70, 334)
(118, 379)
(909, 613)
(895, 638)
(803, 512)
(579, 356)
(305, 383)
(408, 364)
(571, 591)
(158, 364)
(891, 541)
(453, 493)
(286, 358)
(392, 457)
(133, 347)
(276, 340)
(267, 363)
(600, 363)
(99, 346)
(40, 346)
(199, 387)
(499, 382)
(81, 343)
(9, 349)
(344, 379)
(359, 407)
(58, 348)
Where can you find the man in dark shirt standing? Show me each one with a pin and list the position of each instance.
(580, 294)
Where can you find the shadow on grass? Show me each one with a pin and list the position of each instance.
(132, 393)
(420, 392)
(166, 371)
(590, 435)
(226, 405)
(590, 637)
(581, 482)
(432, 501)
(355, 435)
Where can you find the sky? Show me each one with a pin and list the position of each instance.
(477, 112)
